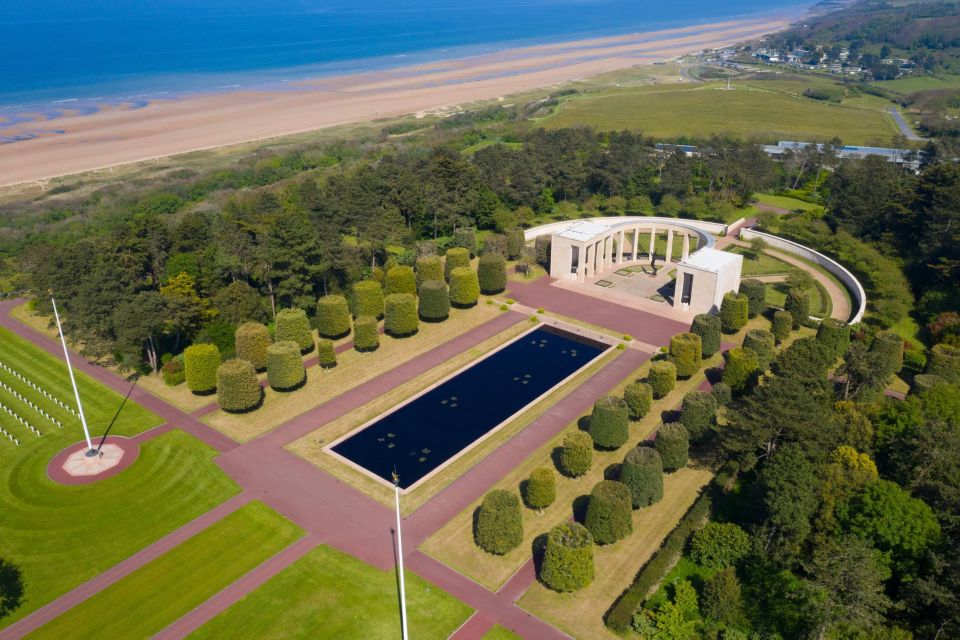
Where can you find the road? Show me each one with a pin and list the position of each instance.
(904, 126)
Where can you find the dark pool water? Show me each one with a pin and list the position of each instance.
(420, 436)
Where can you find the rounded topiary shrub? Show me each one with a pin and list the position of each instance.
(466, 238)
(698, 414)
(367, 299)
(173, 373)
(741, 369)
(326, 354)
(366, 334)
(576, 456)
(782, 325)
(492, 273)
(541, 488)
(642, 473)
(686, 353)
(333, 317)
(608, 512)
(707, 326)
(456, 258)
(639, 397)
(762, 343)
(434, 301)
(429, 268)
(238, 389)
(292, 325)
(464, 287)
(835, 335)
(889, 347)
(400, 279)
(719, 544)
(662, 377)
(285, 369)
(497, 244)
(516, 242)
(722, 393)
(734, 312)
(200, 362)
(673, 445)
(798, 304)
(568, 558)
(499, 524)
(756, 293)
(251, 340)
(944, 361)
(400, 317)
(609, 423)
(925, 381)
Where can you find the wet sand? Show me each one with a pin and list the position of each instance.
(120, 135)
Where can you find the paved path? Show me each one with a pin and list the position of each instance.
(904, 126)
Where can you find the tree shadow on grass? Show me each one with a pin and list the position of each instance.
(580, 508)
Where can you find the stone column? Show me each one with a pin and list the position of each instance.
(653, 239)
(669, 256)
(587, 267)
(686, 246)
(636, 239)
(620, 248)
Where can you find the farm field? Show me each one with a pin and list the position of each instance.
(157, 594)
(328, 594)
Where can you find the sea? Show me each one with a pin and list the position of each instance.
(79, 55)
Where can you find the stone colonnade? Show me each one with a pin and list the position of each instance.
(597, 255)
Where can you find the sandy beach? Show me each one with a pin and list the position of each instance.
(121, 135)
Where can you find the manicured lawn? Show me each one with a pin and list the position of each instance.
(353, 369)
(702, 110)
(453, 544)
(500, 633)
(328, 594)
(156, 595)
(786, 202)
(761, 264)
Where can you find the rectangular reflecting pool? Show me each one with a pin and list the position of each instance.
(420, 436)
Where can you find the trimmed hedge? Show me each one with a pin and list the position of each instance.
(464, 287)
(492, 273)
(200, 362)
(576, 456)
(367, 299)
(173, 373)
(673, 445)
(366, 334)
(429, 268)
(698, 414)
(251, 340)
(719, 544)
(620, 615)
(400, 317)
(734, 312)
(541, 488)
(496, 244)
(285, 370)
(925, 381)
(722, 393)
(434, 301)
(642, 473)
(326, 354)
(639, 397)
(608, 512)
(294, 326)
(499, 527)
(741, 369)
(238, 389)
(756, 293)
(466, 237)
(686, 353)
(762, 343)
(889, 346)
(798, 304)
(456, 257)
(662, 378)
(609, 423)
(944, 361)
(516, 243)
(400, 279)
(835, 335)
(707, 326)
(782, 325)
(568, 558)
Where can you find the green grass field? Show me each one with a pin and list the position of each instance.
(328, 594)
(788, 203)
(159, 593)
(500, 633)
(61, 536)
(670, 112)
(921, 83)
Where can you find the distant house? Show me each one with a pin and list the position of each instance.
(899, 156)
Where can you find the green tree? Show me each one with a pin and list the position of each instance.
(367, 300)
(756, 292)
(797, 305)
(568, 558)
(638, 396)
(673, 619)
(251, 340)
(707, 326)
(686, 353)
(782, 325)
(576, 455)
(741, 369)
(762, 343)
(609, 423)
(673, 444)
(400, 279)
(835, 335)
(662, 377)
(464, 287)
(499, 527)
(285, 370)
(293, 325)
(238, 302)
(789, 483)
(719, 544)
(200, 362)
(541, 489)
(11, 588)
(608, 515)
(642, 473)
(721, 600)
(186, 310)
(492, 273)
(433, 305)
(400, 315)
(238, 389)
(698, 414)
(734, 312)
(138, 325)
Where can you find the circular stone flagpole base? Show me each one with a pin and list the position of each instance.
(78, 464)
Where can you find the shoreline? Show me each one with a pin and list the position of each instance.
(198, 122)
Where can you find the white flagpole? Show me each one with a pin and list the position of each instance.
(403, 598)
(76, 392)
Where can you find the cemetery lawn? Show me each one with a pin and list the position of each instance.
(500, 633)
